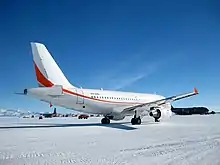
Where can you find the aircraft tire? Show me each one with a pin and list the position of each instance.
(133, 121)
(136, 121)
(105, 121)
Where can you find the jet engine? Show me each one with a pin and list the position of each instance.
(161, 113)
(155, 113)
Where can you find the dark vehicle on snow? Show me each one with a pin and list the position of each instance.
(83, 116)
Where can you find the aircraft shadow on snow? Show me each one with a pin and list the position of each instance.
(54, 125)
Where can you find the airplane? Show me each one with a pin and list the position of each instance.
(55, 89)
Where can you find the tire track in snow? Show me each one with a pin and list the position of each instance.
(192, 154)
(176, 151)
(46, 158)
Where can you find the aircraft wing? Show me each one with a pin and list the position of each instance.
(161, 101)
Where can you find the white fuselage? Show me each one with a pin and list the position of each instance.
(96, 101)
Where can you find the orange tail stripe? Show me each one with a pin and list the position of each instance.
(41, 79)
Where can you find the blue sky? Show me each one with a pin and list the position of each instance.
(167, 47)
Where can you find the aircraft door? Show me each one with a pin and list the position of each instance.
(80, 98)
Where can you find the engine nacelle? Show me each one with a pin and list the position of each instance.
(156, 113)
(161, 113)
(116, 117)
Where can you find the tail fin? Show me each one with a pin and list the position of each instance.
(47, 71)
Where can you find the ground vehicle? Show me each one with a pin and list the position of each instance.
(83, 116)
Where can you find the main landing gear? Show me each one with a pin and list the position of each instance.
(136, 120)
(105, 120)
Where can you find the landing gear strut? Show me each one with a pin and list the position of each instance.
(105, 120)
(136, 120)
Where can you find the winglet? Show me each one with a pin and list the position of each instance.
(196, 91)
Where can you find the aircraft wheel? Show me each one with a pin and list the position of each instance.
(105, 121)
(133, 121)
(136, 121)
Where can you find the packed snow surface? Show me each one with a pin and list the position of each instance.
(181, 140)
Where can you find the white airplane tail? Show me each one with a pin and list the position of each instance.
(47, 71)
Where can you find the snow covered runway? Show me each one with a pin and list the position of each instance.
(180, 140)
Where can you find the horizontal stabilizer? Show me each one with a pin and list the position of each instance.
(19, 93)
(56, 90)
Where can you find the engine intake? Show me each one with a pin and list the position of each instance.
(155, 113)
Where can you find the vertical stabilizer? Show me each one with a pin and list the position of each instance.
(47, 71)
